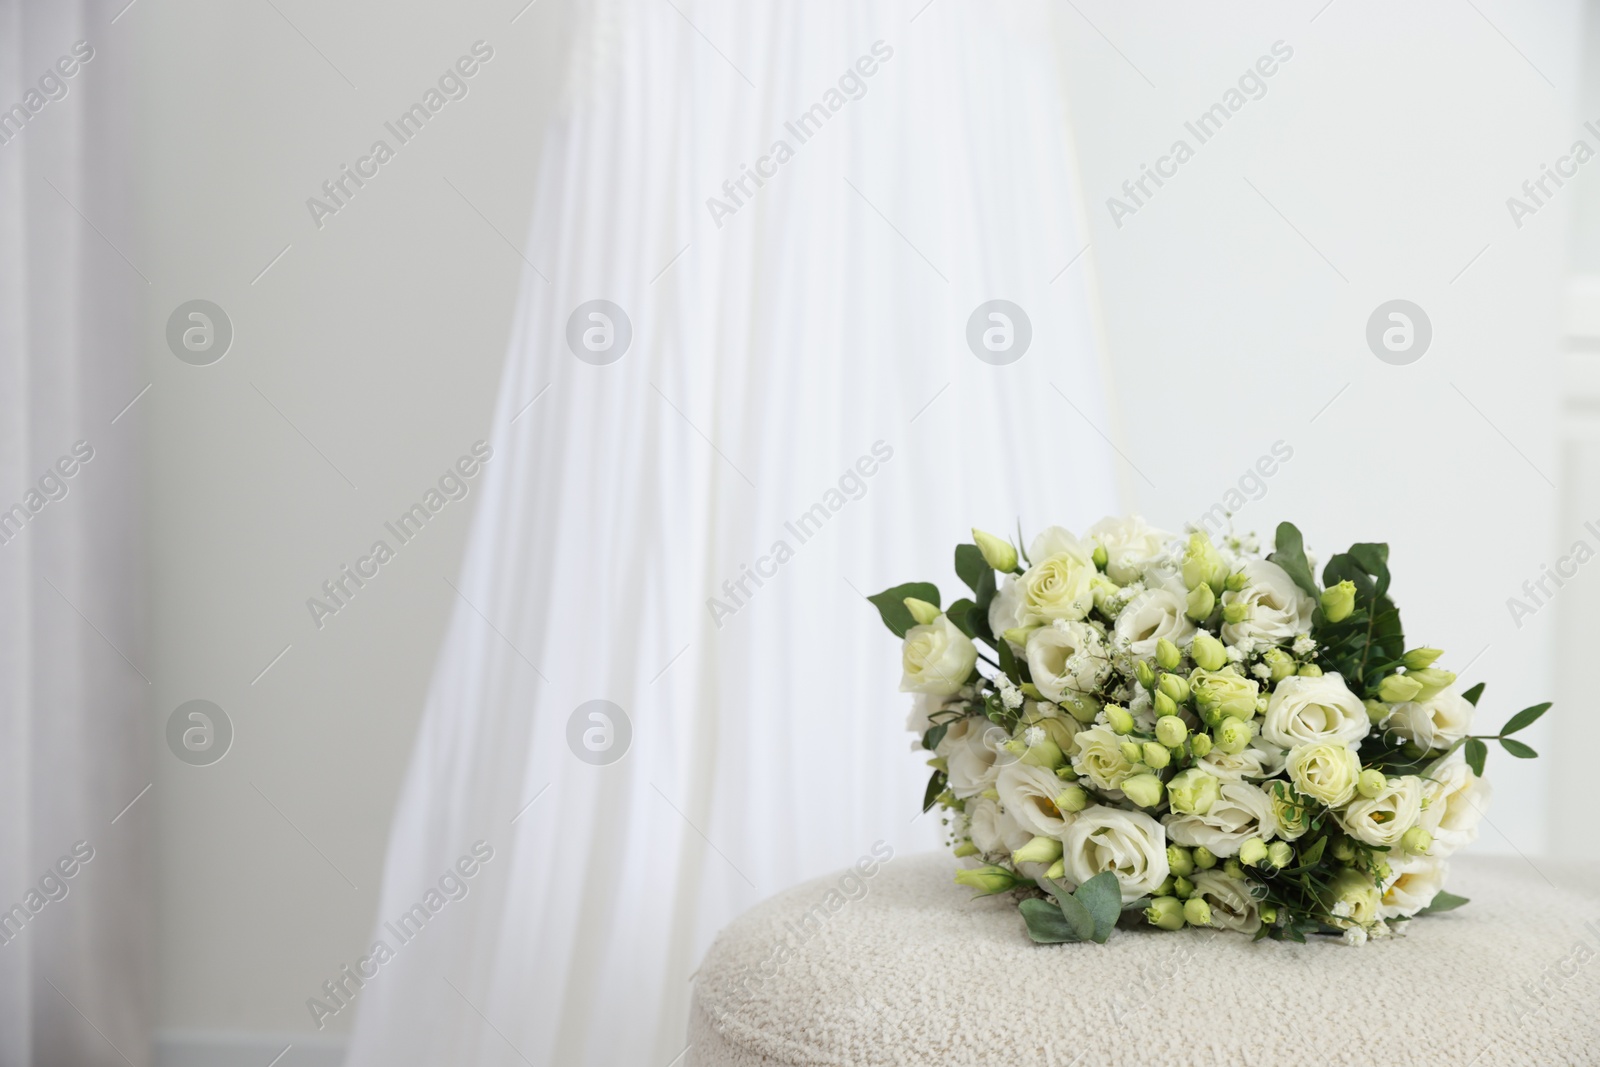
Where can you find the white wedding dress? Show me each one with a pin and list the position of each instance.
(773, 346)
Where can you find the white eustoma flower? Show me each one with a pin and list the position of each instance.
(1152, 615)
(1029, 793)
(1454, 802)
(1384, 819)
(1232, 906)
(1262, 759)
(1067, 657)
(972, 751)
(1099, 758)
(1241, 812)
(1130, 844)
(1130, 544)
(1005, 610)
(936, 658)
(1306, 711)
(1438, 722)
(994, 831)
(1413, 883)
(1278, 609)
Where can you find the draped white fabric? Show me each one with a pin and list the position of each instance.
(826, 314)
(73, 744)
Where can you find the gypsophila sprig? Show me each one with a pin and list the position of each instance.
(1169, 731)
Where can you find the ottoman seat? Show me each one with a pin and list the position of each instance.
(904, 968)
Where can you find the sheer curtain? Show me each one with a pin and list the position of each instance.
(74, 989)
(776, 340)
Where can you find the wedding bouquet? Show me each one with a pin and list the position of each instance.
(1137, 722)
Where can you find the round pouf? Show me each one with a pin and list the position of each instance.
(902, 967)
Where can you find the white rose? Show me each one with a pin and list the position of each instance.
(1028, 793)
(1067, 657)
(971, 751)
(1232, 906)
(1150, 616)
(1327, 772)
(1241, 812)
(1005, 610)
(1384, 819)
(1099, 758)
(1437, 722)
(1130, 543)
(1056, 541)
(1058, 585)
(936, 658)
(1279, 609)
(1454, 804)
(1261, 760)
(994, 831)
(1129, 843)
(1307, 711)
(1413, 883)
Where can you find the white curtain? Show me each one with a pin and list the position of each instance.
(826, 314)
(74, 948)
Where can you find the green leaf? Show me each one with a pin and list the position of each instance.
(1477, 752)
(1008, 662)
(1046, 924)
(1443, 902)
(985, 593)
(1518, 749)
(1101, 899)
(970, 566)
(1374, 559)
(1081, 918)
(931, 739)
(1291, 556)
(1524, 718)
(935, 787)
(1471, 695)
(891, 604)
(1310, 856)
(958, 614)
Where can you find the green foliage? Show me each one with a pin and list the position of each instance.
(1368, 644)
(1291, 556)
(1523, 719)
(1471, 695)
(891, 604)
(1090, 914)
(935, 787)
(1443, 902)
(1477, 752)
(1518, 749)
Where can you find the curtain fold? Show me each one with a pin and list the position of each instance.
(687, 531)
(75, 915)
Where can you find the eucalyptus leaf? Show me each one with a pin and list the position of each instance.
(1101, 898)
(1477, 752)
(891, 604)
(1524, 718)
(1046, 924)
(1518, 749)
(1081, 918)
(1291, 556)
(1443, 902)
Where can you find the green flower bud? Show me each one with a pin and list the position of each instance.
(1100, 556)
(1063, 772)
(1233, 869)
(1421, 658)
(1165, 704)
(1165, 888)
(1339, 601)
(1234, 735)
(1377, 711)
(1167, 654)
(1236, 612)
(1145, 673)
(1200, 745)
(1251, 853)
(1171, 731)
(1192, 792)
(1236, 581)
(1182, 888)
(1398, 688)
(1371, 782)
(1196, 912)
(1309, 670)
(921, 610)
(1226, 692)
(1039, 850)
(1203, 563)
(1166, 913)
(1416, 840)
(966, 848)
(1058, 869)
(997, 552)
(1344, 850)
(1156, 755)
(1082, 708)
(1433, 681)
(1132, 751)
(1119, 718)
(1269, 914)
(1280, 854)
(1204, 858)
(1208, 652)
(1280, 663)
(1143, 789)
(1175, 686)
(1072, 798)
(1201, 603)
(1018, 635)
(987, 880)
(1179, 860)
(1046, 754)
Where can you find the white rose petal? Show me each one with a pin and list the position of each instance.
(1099, 758)
(1306, 711)
(1278, 609)
(1130, 544)
(1241, 812)
(1152, 615)
(1261, 760)
(936, 658)
(1455, 802)
(1128, 843)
